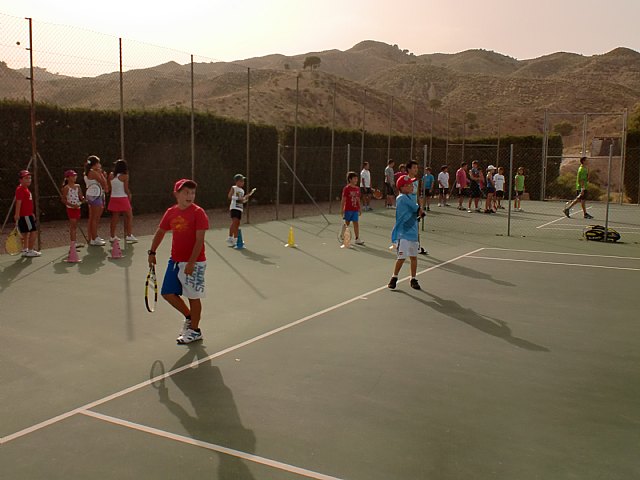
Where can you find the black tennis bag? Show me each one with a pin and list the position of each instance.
(596, 233)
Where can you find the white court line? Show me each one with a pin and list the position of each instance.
(558, 253)
(553, 263)
(211, 446)
(610, 226)
(558, 219)
(579, 229)
(146, 383)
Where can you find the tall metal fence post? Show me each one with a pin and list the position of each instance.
(295, 151)
(348, 157)
(545, 146)
(333, 143)
(364, 113)
(193, 127)
(510, 189)
(34, 145)
(121, 106)
(623, 154)
(606, 214)
(278, 183)
(248, 166)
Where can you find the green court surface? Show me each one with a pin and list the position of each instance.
(518, 359)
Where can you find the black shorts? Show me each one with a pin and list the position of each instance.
(428, 193)
(499, 193)
(519, 193)
(365, 190)
(463, 192)
(233, 213)
(389, 189)
(491, 190)
(27, 224)
(475, 190)
(444, 191)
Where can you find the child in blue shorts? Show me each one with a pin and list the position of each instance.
(351, 205)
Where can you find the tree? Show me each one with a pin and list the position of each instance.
(313, 62)
(563, 128)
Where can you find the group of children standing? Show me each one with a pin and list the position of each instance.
(472, 184)
(98, 184)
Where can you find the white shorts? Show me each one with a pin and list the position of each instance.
(407, 248)
(192, 285)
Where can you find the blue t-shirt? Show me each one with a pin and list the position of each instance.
(427, 181)
(406, 226)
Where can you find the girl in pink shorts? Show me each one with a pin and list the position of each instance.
(72, 198)
(120, 201)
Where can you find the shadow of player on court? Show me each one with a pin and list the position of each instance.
(93, 260)
(489, 325)
(216, 418)
(9, 273)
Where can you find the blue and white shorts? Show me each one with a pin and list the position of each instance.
(178, 283)
(407, 248)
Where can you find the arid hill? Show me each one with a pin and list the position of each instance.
(485, 83)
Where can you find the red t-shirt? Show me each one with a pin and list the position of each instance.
(351, 195)
(26, 207)
(184, 224)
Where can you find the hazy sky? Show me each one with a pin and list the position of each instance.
(238, 29)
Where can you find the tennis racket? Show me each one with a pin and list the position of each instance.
(94, 191)
(253, 190)
(13, 244)
(344, 236)
(377, 194)
(151, 284)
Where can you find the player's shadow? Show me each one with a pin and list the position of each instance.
(127, 257)
(256, 257)
(489, 325)
(93, 260)
(455, 267)
(10, 273)
(236, 271)
(215, 419)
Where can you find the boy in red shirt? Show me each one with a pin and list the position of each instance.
(187, 264)
(23, 216)
(351, 205)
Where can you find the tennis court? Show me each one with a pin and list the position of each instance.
(519, 358)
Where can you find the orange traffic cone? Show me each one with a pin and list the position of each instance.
(73, 254)
(116, 252)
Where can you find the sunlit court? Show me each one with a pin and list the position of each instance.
(517, 359)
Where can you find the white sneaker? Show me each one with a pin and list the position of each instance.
(131, 239)
(97, 242)
(113, 239)
(231, 241)
(186, 326)
(188, 337)
(359, 242)
(32, 253)
(23, 252)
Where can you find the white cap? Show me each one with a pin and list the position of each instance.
(491, 167)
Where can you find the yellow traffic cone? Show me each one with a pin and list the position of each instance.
(291, 242)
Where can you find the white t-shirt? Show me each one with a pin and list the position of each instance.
(365, 178)
(443, 180)
(499, 181)
(236, 199)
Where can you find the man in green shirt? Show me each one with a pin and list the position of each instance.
(581, 190)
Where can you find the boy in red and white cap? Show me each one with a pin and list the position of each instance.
(405, 231)
(185, 272)
(24, 216)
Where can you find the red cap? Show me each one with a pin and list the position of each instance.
(70, 173)
(181, 183)
(405, 180)
(24, 173)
